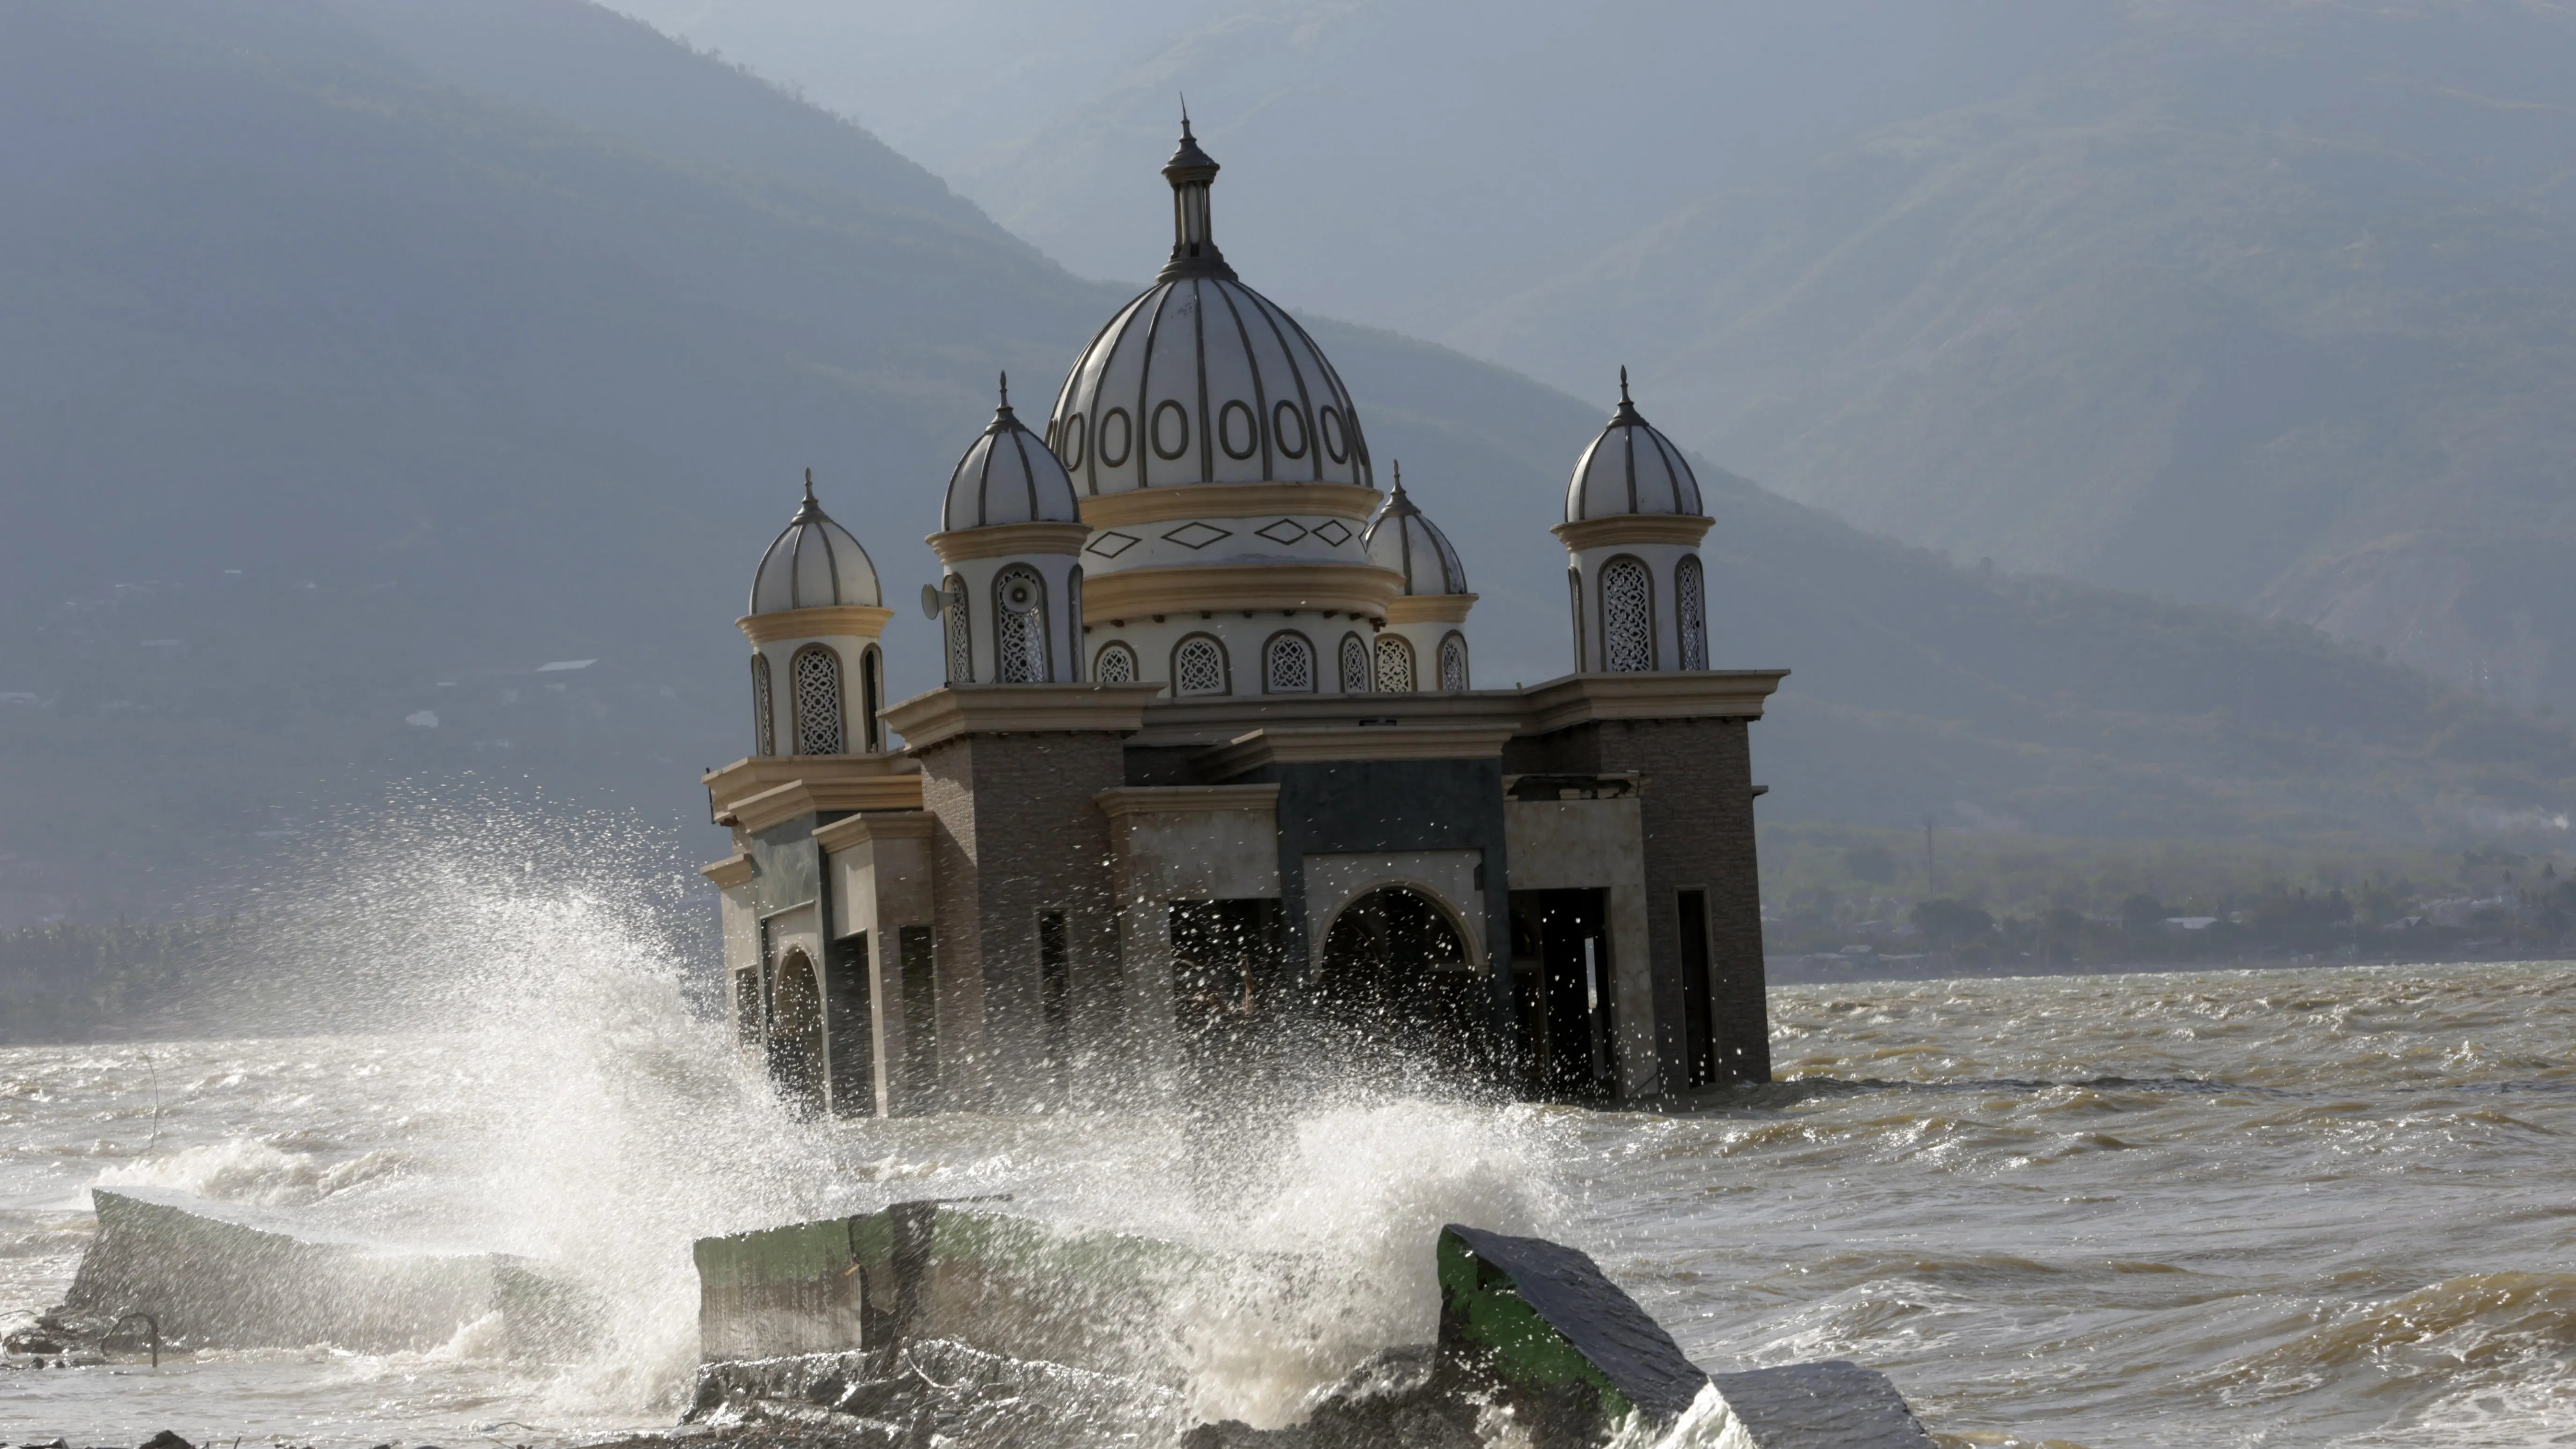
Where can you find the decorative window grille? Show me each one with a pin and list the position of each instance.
(1289, 665)
(1019, 626)
(763, 722)
(816, 672)
(1355, 665)
(1198, 666)
(1627, 616)
(1394, 665)
(1116, 665)
(1453, 664)
(1690, 611)
(961, 635)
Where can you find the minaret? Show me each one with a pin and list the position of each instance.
(1633, 524)
(1009, 544)
(817, 677)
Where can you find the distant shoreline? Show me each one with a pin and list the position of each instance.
(1830, 970)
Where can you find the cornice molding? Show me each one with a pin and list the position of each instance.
(1334, 744)
(1001, 709)
(873, 825)
(1129, 800)
(862, 621)
(1229, 500)
(729, 872)
(1339, 588)
(1429, 608)
(1675, 694)
(759, 792)
(1681, 528)
(1004, 539)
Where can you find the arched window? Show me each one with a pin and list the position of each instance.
(1582, 646)
(816, 674)
(1115, 665)
(1073, 622)
(764, 733)
(1394, 665)
(1019, 626)
(1198, 666)
(1453, 663)
(1288, 664)
(1690, 612)
(961, 634)
(1627, 616)
(871, 698)
(1355, 665)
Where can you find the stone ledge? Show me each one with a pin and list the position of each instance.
(954, 710)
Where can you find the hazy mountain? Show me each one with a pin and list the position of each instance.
(398, 389)
(2262, 302)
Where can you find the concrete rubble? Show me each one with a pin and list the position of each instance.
(216, 1275)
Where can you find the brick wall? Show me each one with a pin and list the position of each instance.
(1036, 842)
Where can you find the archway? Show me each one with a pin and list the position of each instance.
(1397, 969)
(796, 1034)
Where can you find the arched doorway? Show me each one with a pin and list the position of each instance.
(1397, 969)
(796, 1034)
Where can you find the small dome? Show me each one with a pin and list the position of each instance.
(814, 564)
(1203, 380)
(1631, 468)
(1008, 476)
(1402, 539)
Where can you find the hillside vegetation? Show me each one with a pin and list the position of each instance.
(405, 391)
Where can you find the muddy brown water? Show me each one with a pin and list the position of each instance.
(2225, 1208)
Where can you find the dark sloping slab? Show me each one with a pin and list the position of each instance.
(1832, 1404)
(1567, 1290)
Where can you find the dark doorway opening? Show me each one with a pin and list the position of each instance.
(1225, 973)
(1396, 968)
(919, 990)
(851, 1027)
(796, 1034)
(1563, 981)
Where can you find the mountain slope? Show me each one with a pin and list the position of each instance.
(377, 407)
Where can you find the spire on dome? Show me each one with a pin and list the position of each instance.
(1191, 172)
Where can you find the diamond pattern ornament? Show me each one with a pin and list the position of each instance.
(1286, 531)
(1334, 532)
(1110, 545)
(1197, 535)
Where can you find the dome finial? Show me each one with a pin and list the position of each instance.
(1623, 382)
(809, 485)
(1627, 412)
(1191, 172)
(1399, 477)
(1006, 392)
(1185, 115)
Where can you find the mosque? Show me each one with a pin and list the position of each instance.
(1209, 766)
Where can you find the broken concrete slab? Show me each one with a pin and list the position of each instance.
(1828, 1404)
(1543, 1320)
(218, 1275)
(929, 1391)
(998, 1282)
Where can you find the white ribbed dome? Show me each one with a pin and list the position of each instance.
(813, 564)
(1008, 476)
(1203, 380)
(1401, 538)
(1631, 468)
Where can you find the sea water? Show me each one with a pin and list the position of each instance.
(2216, 1208)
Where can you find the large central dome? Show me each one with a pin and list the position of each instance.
(1202, 379)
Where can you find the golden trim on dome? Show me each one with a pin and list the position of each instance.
(1686, 529)
(1338, 588)
(1429, 608)
(1002, 539)
(832, 621)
